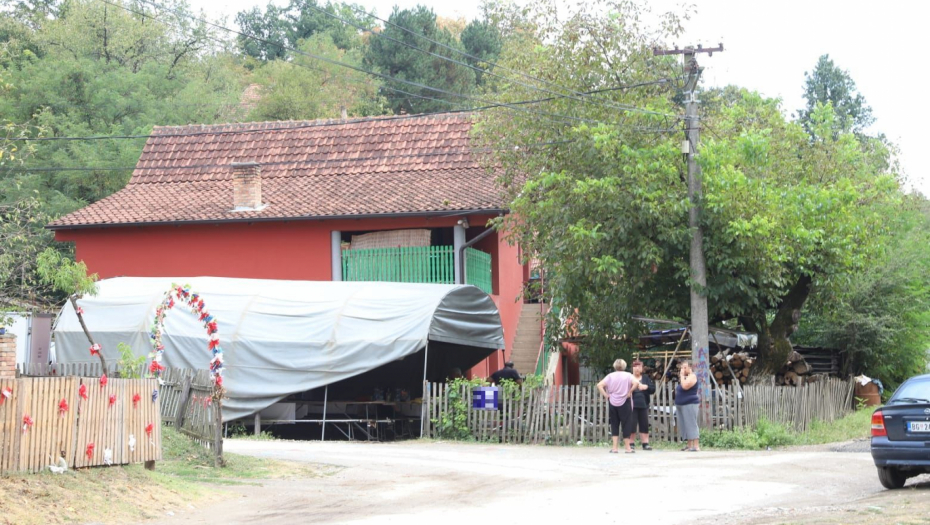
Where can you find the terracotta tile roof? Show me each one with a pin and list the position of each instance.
(384, 166)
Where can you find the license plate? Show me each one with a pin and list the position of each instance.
(918, 426)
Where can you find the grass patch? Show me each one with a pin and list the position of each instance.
(856, 425)
(130, 493)
(767, 434)
(114, 494)
(187, 460)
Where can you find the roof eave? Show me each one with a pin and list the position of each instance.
(438, 213)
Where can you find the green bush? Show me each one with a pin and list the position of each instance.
(766, 434)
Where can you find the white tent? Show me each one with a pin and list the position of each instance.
(285, 337)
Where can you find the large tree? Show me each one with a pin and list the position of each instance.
(87, 68)
(403, 55)
(273, 28)
(828, 83)
(604, 205)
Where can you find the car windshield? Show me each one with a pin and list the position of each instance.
(912, 392)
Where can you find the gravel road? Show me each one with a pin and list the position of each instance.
(439, 482)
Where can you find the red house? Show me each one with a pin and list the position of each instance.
(301, 200)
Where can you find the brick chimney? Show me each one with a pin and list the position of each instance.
(7, 356)
(247, 186)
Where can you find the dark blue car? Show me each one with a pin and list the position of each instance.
(901, 433)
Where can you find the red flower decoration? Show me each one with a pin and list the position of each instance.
(213, 344)
(112, 399)
(5, 394)
(103, 380)
(212, 328)
(82, 391)
(155, 367)
(149, 428)
(62, 407)
(80, 310)
(27, 423)
(90, 451)
(219, 380)
(204, 314)
(135, 400)
(95, 349)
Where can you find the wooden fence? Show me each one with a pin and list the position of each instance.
(47, 417)
(187, 404)
(183, 394)
(571, 414)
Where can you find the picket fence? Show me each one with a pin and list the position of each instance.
(562, 415)
(187, 404)
(47, 417)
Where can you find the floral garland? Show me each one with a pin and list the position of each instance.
(182, 295)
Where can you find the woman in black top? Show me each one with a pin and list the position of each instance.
(641, 403)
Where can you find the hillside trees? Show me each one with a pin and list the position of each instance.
(400, 56)
(86, 68)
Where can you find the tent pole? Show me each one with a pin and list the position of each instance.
(325, 402)
(425, 387)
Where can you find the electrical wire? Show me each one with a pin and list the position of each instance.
(419, 85)
(621, 107)
(359, 10)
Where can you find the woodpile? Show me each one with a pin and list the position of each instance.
(725, 366)
(795, 372)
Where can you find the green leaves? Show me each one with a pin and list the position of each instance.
(607, 212)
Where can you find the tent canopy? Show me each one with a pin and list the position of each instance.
(285, 337)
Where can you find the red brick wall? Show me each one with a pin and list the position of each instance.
(7, 356)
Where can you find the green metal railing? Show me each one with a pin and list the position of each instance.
(478, 269)
(421, 264)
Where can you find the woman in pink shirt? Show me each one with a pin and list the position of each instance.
(618, 388)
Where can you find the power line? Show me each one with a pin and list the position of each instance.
(467, 55)
(512, 105)
(553, 116)
(325, 123)
(621, 107)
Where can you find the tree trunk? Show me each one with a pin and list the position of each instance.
(774, 346)
(103, 361)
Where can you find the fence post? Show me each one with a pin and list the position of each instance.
(218, 460)
(183, 399)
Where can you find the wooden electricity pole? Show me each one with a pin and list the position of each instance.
(689, 147)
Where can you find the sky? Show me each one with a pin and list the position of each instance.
(769, 46)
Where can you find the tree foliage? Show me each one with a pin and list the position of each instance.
(605, 209)
(400, 54)
(829, 84)
(304, 88)
(276, 27)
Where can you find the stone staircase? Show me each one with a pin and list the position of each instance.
(526, 342)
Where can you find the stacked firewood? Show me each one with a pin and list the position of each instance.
(655, 372)
(739, 365)
(795, 372)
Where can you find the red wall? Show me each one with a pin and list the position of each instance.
(296, 250)
(507, 272)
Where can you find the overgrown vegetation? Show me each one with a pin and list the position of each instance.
(767, 434)
(454, 423)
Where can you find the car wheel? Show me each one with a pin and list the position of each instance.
(891, 478)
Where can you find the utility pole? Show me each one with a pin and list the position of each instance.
(689, 147)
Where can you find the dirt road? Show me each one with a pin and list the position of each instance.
(434, 482)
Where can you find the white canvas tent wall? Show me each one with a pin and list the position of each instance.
(284, 337)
